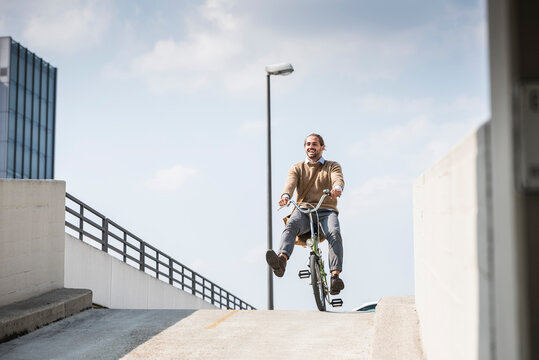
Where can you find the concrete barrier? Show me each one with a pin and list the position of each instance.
(32, 227)
(118, 285)
(396, 330)
(453, 252)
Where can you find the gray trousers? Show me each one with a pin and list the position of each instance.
(298, 224)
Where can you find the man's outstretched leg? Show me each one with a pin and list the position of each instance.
(297, 224)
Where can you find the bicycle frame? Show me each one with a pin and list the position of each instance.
(317, 251)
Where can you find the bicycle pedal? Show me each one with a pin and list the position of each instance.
(304, 274)
(336, 302)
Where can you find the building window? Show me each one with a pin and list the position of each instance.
(31, 113)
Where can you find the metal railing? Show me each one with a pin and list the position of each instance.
(94, 228)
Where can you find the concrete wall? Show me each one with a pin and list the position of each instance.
(32, 228)
(118, 285)
(453, 252)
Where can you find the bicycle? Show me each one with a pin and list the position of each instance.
(316, 266)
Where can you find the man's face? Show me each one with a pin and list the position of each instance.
(313, 148)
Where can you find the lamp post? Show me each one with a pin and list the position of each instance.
(277, 69)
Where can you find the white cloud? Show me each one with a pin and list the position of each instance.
(171, 179)
(171, 64)
(66, 26)
(217, 11)
(213, 39)
(225, 47)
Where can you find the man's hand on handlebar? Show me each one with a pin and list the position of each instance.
(335, 193)
(283, 201)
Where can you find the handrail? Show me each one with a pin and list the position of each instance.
(124, 245)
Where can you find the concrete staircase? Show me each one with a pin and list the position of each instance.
(25, 316)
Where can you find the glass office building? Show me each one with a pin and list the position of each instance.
(27, 113)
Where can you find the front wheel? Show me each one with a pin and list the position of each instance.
(317, 283)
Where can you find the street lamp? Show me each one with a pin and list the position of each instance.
(277, 69)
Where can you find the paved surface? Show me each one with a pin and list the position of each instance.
(25, 316)
(229, 334)
(92, 334)
(206, 334)
(392, 332)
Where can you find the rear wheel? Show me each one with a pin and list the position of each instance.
(317, 283)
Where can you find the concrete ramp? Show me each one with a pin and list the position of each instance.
(392, 332)
(233, 334)
(204, 334)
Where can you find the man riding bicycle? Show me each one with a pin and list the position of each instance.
(309, 178)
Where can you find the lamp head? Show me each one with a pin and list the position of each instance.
(279, 69)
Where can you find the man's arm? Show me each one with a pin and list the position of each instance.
(337, 180)
(290, 185)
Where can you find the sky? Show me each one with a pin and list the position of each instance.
(161, 121)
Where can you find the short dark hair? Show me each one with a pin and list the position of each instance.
(320, 140)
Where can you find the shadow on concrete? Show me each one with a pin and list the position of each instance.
(93, 334)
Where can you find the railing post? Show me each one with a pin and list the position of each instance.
(212, 293)
(157, 264)
(193, 282)
(81, 222)
(203, 289)
(142, 257)
(125, 247)
(170, 271)
(105, 238)
(183, 278)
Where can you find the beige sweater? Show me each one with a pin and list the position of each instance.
(329, 176)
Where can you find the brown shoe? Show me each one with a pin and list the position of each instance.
(336, 285)
(277, 263)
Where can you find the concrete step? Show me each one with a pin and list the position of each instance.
(25, 316)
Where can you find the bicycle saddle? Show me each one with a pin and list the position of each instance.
(302, 239)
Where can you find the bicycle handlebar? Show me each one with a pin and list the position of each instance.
(326, 192)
